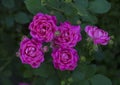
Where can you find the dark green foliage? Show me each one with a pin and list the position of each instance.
(100, 80)
(99, 6)
(22, 18)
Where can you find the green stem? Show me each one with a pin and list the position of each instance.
(96, 47)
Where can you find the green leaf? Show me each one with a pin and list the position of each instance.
(45, 70)
(60, 17)
(33, 6)
(77, 76)
(27, 74)
(9, 21)
(68, 9)
(53, 81)
(81, 82)
(81, 7)
(6, 73)
(53, 3)
(100, 80)
(74, 19)
(99, 6)
(63, 74)
(89, 18)
(81, 3)
(39, 81)
(68, 1)
(21, 18)
(86, 82)
(8, 3)
(88, 70)
(6, 81)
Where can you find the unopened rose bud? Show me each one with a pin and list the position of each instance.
(70, 79)
(78, 22)
(112, 37)
(45, 49)
(89, 39)
(95, 47)
(62, 82)
(24, 36)
(52, 12)
(83, 59)
(17, 54)
(57, 33)
(111, 42)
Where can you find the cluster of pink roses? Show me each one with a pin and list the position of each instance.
(63, 39)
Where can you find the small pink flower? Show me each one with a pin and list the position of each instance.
(68, 35)
(30, 52)
(43, 27)
(65, 58)
(98, 36)
(22, 83)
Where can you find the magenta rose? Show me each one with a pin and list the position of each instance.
(43, 27)
(30, 52)
(68, 35)
(65, 58)
(98, 36)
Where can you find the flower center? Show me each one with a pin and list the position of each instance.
(65, 57)
(30, 51)
(65, 37)
(43, 30)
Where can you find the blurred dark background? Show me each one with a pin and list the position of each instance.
(111, 22)
(14, 21)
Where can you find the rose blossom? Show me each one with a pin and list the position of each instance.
(65, 58)
(98, 36)
(68, 35)
(30, 52)
(43, 27)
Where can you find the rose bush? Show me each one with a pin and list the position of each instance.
(57, 27)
